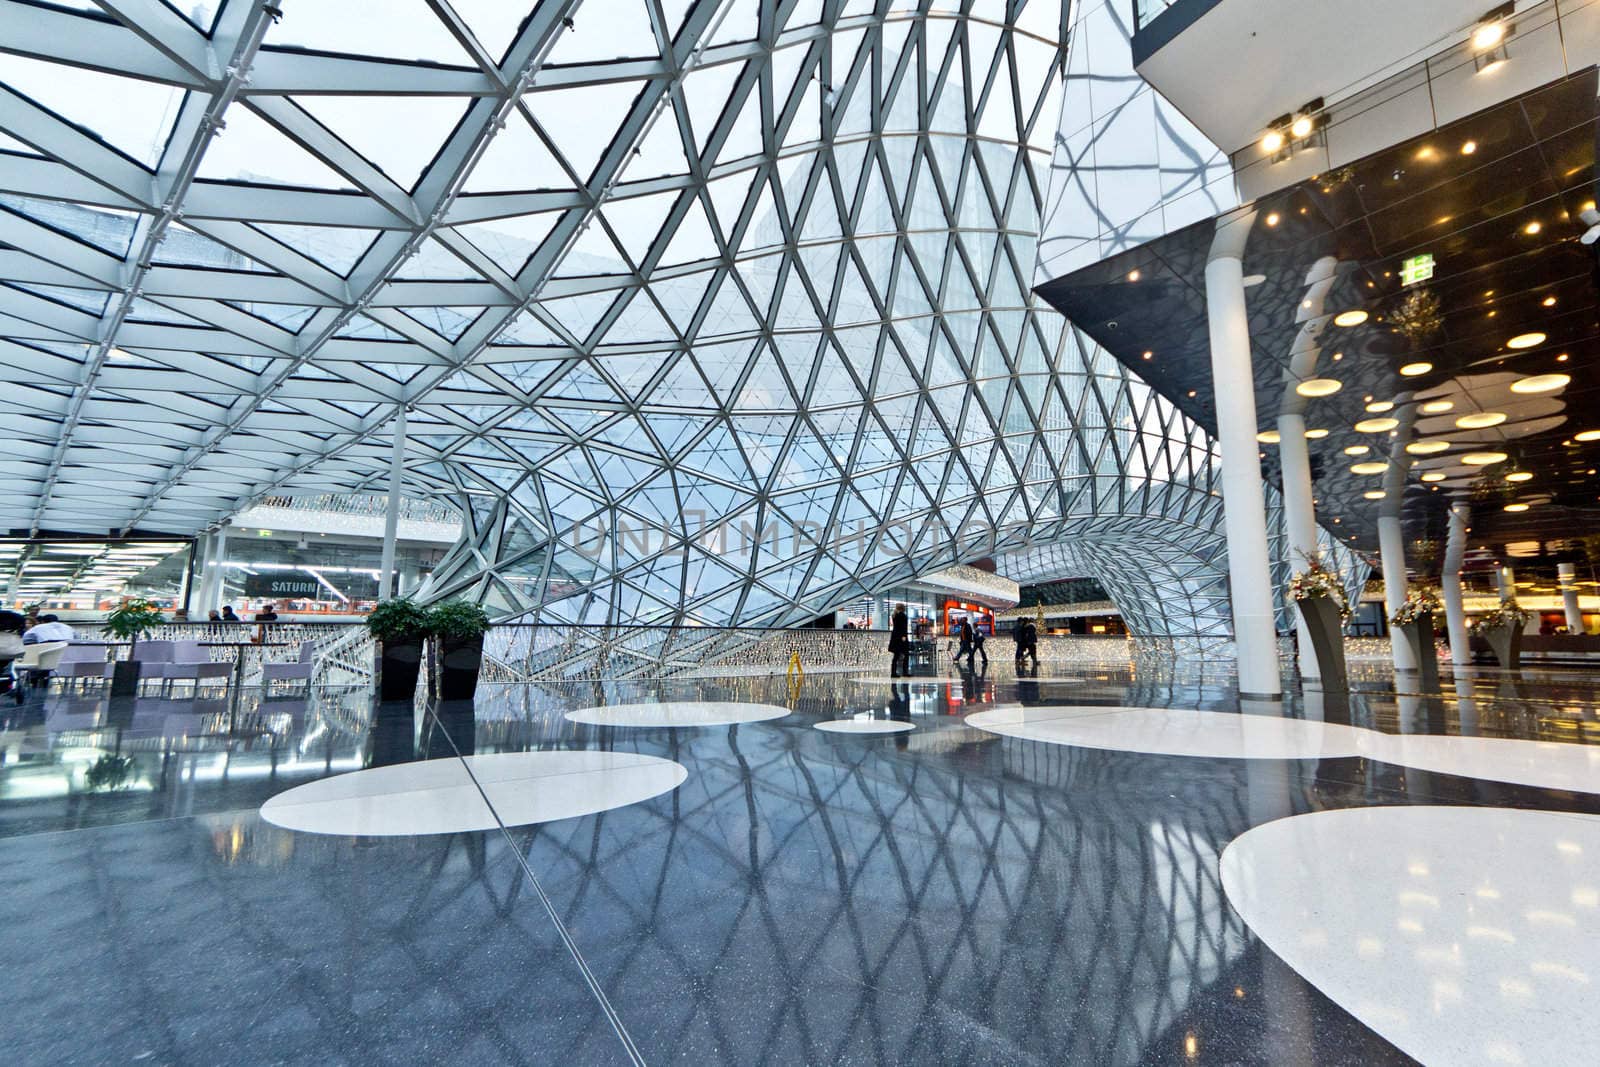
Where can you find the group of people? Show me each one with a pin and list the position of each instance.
(17, 631)
(969, 640)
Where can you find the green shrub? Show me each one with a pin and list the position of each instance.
(133, 619)
(398, 620)
(458, 619)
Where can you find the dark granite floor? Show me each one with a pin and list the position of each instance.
(940, 896)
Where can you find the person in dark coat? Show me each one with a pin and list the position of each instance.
(899, 644)
(977, 648)
(1028, 643)
(964, 649)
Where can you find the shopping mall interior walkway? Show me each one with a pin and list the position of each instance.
(1098, 866)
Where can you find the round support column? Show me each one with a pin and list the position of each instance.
(1569, 597)
(1455, 618)
(1243, 502)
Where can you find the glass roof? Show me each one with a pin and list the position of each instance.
(620, 265)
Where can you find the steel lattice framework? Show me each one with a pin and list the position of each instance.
(741, 284)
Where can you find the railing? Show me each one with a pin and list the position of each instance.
(519, 653)
(365, 505)
(342, 651)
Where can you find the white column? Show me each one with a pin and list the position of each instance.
(1569, 597)
(1508, 583)
(1391, 541)
(1455, 618)
(1243, 502)
(391, 519)
(219, 553)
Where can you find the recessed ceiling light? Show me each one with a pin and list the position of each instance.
(1438, 407)
(1427, 448)
(1272, 219)
(1483, 459)
(1516, 507)
(1376, 425)
(1316, 435)
(1480, 420)
(1272, 141)
(1520, 476)
(1411, 370)
(1434, 476)
(1357, 450)
(1301, 127)
(1149, 355)
(1587, 435)
(1134, 275)
(1374, 494)
(1541, 383)
(1532, 228)
(1319, 387)
(1353, 317)
(1469, 147)
(1488, 35)
(1526, 340)
(1549, 301)
(1378, 407)
(1374, 467)
(1269, 437)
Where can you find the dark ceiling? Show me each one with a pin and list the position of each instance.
(1495, 199)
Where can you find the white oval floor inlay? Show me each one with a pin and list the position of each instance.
(439, 797)
(865, 726)
(678, 713)
(872, 679)
(1546, 764)
(1462, 935)
(1175, 732)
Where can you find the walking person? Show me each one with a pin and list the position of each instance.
(977, 649)
(964, 632)
(899, 644)
(1028, 643)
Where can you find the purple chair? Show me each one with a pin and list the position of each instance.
(295, 671)
(81, 662)
(154, 658)
(190, 662)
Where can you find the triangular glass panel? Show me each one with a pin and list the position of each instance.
(692, 240)
(509, 241)
(336, 247)
(516, 159)
(251, 149)
(605, 30)
(583, 121)
(368, 124)
(130, 114)
(410, 30)
(660, 152)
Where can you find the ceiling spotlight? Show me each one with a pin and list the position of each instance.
(1353, 317)
(1587, 435)
(1134, 275)
(1378, 407)
(1412, 370)
(1319, 387)
(1488, 34)
(1301, 127)
(1483, 459)
(1316, 434)
(1376, 425)
(1541, 383)
(1434, 476)
(1520, 476)
(1375, 494)
(1149, 354)
(1427, 448)
(1357, 450)
(1549, 301)
(1480, 420)
(1373, 467)
(1516, 507)
(1269, 437)
(1272, 218)
(1438, 407)
(1469, 148)
(1272, 142)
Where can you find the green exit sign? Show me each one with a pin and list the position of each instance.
(1416, 269)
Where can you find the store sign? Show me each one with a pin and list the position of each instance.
(1417, 268)
(298, 587)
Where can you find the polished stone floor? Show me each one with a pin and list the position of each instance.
(723, 883)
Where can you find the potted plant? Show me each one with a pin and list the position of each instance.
(1502, 628)
(457, 628)
(1319, 596)
(132, 619)
(1414, 617)
(399, 627)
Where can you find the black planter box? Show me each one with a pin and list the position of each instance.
(398, 664)
(125, 677)
(460, 659)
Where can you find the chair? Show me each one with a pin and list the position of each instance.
(190, 662)
(154, 658)
(295, 671)
(81, 662)
(33, 667)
